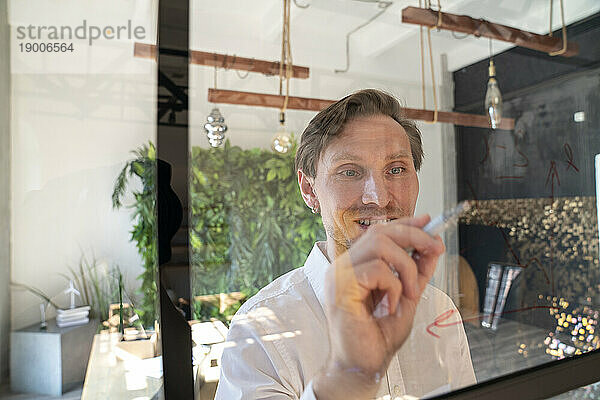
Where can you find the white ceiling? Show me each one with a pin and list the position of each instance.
(386, 48)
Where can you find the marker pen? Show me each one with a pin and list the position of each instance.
(440, 223)
(445, 220)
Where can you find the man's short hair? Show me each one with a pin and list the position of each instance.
(330, 121)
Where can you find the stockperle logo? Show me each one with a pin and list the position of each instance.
(83, 31)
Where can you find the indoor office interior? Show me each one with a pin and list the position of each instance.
(149, 187)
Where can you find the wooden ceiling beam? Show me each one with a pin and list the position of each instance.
(143, 50)
(480, 27)
(311, 104)
(265, 100)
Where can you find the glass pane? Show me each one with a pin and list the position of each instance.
(302, 255)
(82, 162)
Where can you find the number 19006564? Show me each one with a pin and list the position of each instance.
(46, 47)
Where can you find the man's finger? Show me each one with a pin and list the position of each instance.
(385, 249)
(353, 285)
(427, 262)
(388, 242)
(408, 236)
(418, 221)
(377, 275)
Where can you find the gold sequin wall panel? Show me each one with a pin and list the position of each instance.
(555, 242)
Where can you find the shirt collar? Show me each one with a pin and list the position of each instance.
(315, 269)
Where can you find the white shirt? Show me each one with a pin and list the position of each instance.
(278, 342)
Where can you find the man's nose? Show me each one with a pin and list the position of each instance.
(375, 191)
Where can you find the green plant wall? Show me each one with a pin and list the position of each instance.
(248, 223)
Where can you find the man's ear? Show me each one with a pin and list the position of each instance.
(306, 184)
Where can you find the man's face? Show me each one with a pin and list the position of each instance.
(365, 176)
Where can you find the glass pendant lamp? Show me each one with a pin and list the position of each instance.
(493, 97)
(282, 141)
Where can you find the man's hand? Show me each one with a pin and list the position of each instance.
(362, 344)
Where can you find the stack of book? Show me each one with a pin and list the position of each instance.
(73, 316)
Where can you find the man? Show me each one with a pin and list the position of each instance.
(352, 322)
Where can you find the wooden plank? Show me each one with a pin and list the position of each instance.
(143, 50)
(225, 61)
(481, 27)
(310, 104)
(266, 100)
(456, 118)
(244, 64)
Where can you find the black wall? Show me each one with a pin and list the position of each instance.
(548, 155)
(542, 93)
(519, 68)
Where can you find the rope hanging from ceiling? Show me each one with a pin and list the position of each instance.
(286, 59)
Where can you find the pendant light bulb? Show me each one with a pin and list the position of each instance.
(215, 128)
(282, 141)
(493, 98)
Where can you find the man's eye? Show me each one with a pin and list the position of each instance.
(349, 173)
(396, 170)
